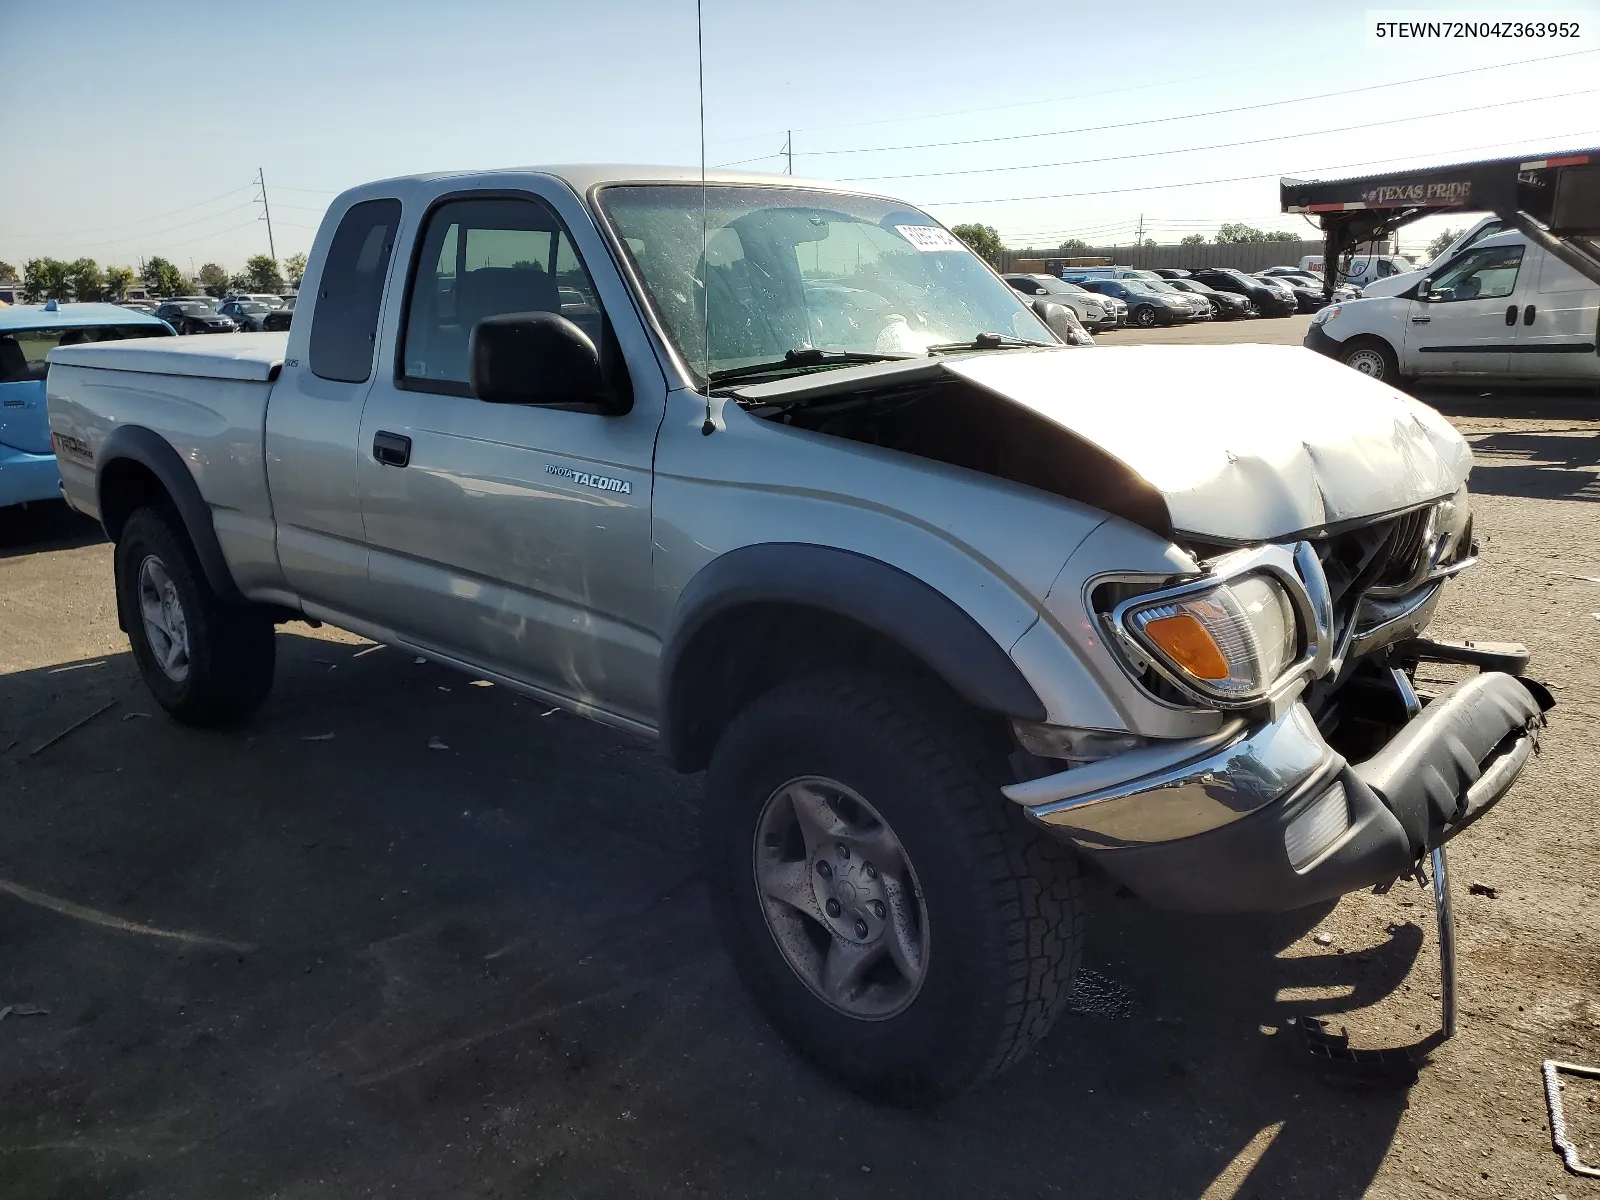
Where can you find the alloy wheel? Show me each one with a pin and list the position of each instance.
(166, 629)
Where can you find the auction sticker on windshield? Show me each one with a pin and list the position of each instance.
(930, 238)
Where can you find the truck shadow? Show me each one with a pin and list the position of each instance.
(419, 933)
(49, 525)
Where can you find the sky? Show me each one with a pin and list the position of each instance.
(129, 131)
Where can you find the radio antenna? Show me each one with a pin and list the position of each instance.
(709, 427)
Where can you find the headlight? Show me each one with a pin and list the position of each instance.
(1324, 315)
(1231, 641)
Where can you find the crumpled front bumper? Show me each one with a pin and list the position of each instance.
(1271, 817)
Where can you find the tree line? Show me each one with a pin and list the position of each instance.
(984, 240)
(84, 279)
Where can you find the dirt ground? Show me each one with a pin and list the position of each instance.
(317, 958)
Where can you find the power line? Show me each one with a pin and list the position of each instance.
(1157, 187)
(965, 112)
(1283, 137)
(141, 220)
(154, 233)
(1215, 112)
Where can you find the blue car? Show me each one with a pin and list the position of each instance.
(28, 332)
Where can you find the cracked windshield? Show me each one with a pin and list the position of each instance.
(793, 269)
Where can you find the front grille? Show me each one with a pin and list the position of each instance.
(1406, 550)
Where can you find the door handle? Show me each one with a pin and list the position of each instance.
(1420, 320)
(391, 449)
(1511, 315)
(1528, 315)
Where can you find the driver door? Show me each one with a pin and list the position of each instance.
(1464, 324)
(512, 537)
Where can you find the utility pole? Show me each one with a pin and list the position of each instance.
(1138, 239)
(261, 182)
(788, 152)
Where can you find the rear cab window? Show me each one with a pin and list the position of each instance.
(344, 327)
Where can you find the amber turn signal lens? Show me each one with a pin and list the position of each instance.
(1188, 644)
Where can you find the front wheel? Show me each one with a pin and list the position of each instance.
(207, 662)
(1144, 316)
(894, 916)
(1371, 356)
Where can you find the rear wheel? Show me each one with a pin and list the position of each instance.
(207, 662)
(891, 912)
(1371, 356)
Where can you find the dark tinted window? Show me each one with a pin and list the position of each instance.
(345, 324)
(482, 258)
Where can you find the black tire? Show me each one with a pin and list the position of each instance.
(1145, 316)
(1002, 900)
(1371, 356)
(227, 670)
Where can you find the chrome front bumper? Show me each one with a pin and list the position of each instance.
(1161, 793)
(1266, 817)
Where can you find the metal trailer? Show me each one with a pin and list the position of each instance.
(1553, 199)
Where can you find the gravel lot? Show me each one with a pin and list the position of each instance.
(316, 958)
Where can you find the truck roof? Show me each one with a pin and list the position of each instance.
(14, 317)
(580, 177)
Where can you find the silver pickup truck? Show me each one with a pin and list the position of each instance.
(786, 477)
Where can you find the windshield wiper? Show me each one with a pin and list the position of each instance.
(987, 341)
(807, 356)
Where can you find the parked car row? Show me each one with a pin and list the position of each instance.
(246, 311)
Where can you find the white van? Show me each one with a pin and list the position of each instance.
(1365, 268)
(1395, 284)
(1501, 308)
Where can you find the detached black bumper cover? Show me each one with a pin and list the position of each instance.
(1441, 772)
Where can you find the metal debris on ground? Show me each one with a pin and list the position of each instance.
(1564, 1146)
(23, 1010)
(550, 712)
(436, 744)
(418, 661)
(368, 650)
(134, 716)
(1483, 889)
(73, 728)
(1094, 995)
(318, 737)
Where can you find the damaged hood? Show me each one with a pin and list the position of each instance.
(1245, 443)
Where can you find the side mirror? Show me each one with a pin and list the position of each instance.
(533, 358)
(1425, 290)
(1063, 322)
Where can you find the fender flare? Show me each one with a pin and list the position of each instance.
(883, 598)
(153, 452)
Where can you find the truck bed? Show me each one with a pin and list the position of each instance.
(253, 357)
